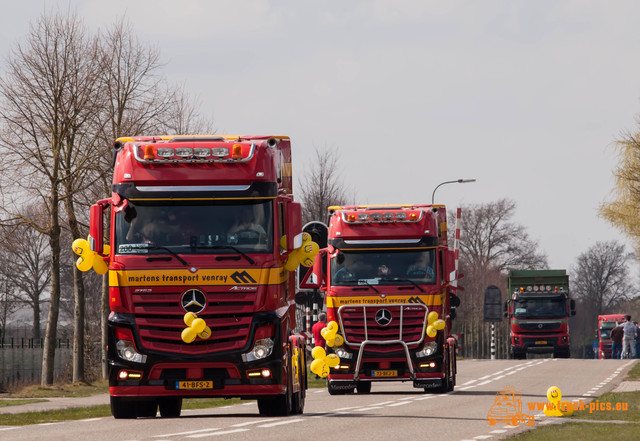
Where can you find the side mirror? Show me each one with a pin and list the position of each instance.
(96, 232)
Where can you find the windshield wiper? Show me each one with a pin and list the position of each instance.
(155, 247)
(223, 247)
(396, 279)
(364, 282)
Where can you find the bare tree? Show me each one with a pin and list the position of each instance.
(491, 245)
(601, 276)
(321, 185)
(25, 255)
(39, 111)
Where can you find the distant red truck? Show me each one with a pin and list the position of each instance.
(605, 324)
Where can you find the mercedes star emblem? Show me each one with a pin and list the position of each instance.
(383, 317)
(193, 300)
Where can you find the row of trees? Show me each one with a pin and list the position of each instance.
(66, 94)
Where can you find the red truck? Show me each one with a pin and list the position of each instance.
(538, 309)
(387, 269)
(605, 324)
(201, 227)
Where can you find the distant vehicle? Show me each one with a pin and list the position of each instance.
(605, 324)
(538, 309)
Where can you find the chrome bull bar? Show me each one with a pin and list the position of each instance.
(367, 341)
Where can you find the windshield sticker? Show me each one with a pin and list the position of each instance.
(368, 282)
(133, 248)
(521, 310)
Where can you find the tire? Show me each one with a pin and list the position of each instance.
(281, 404)
(170, 407)
(123, 409)
(562, 354)
(363, 387)
(519, 355)
(147, 408)
(298, 398)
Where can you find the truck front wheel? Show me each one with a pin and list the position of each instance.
(170, 407)
(123, 409)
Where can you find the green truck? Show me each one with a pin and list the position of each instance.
(538, 308)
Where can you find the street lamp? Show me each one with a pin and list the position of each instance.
(457, 181)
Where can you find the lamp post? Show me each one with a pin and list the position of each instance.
(457, 181)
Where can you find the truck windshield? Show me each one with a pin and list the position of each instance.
(194, 227)
(605, 329)
(540, 307)
(350, 268)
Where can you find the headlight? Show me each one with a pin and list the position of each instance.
(261, 349)
(429, 349)
(127, 351)
(342, 353)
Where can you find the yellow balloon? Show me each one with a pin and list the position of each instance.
(439, 324)
(189, 335)
(318, 353)
(316, 367)
(80, 246)
(306, 237)
(339, 340)
(431, 331)
(293, 260)
(99, 265)
(566, 408)
(189, 317)
(330, 342)
(307, 262)
(554, 394)
(283, 242)
(198, 325)
(85, 263)
(206, 333)
(332, 360)
(432, 317)
(106, 249)
(332, 326)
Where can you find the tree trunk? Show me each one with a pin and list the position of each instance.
(36, 320)
(48, 353)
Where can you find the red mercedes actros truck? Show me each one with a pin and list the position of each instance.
(387, 268)
(197, 224)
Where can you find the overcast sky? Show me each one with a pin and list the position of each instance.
(527, 97)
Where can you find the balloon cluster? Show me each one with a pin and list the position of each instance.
(322, 362)
(300, 256)
(196, 327)
(89, 259)
(434, 324)
(556, 407)
(330, 334)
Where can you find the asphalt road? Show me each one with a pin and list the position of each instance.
(392, 411)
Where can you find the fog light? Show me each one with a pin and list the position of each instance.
(129, 375)
(266, 373)
(431, 364)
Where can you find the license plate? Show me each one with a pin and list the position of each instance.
(541, 342)
(384, 373)
(194, 384)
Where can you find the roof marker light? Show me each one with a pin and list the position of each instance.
(237, 151)
(376, 216)
(387, 216)
(363, 216)
(148, 153)
(166, 152)
(401, 215)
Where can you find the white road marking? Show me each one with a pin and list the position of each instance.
(224, 432)
(280, 423)
(166, 435)
(401, 403)
(252, 422)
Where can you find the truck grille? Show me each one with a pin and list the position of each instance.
(406, 322)
(160, 321)
(540, 326)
